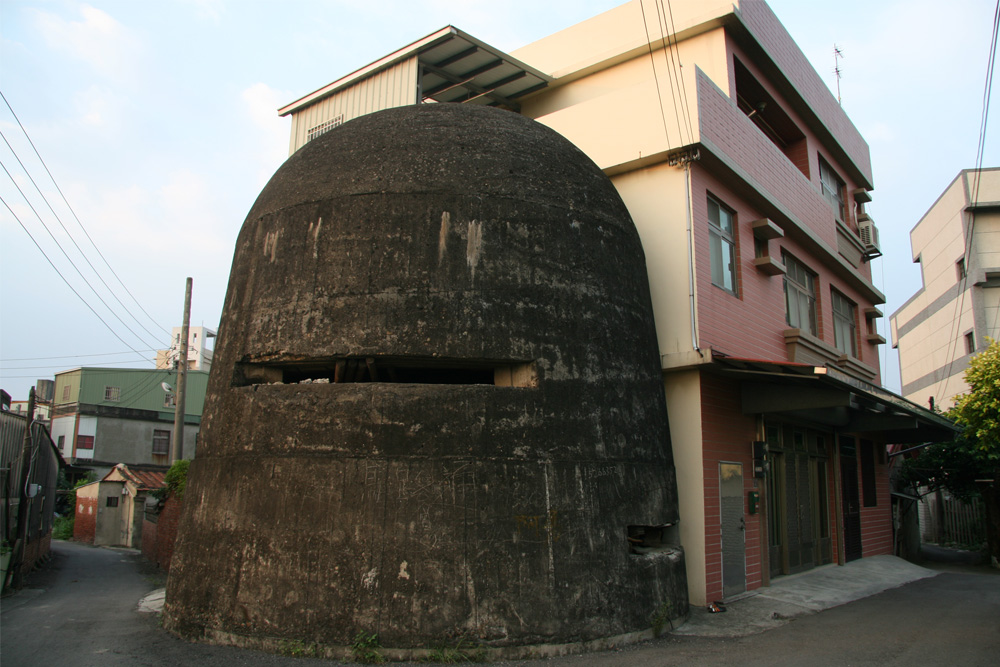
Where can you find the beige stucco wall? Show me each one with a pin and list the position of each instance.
(683, 390)
(657, 199)
(643, 103)
(929, 329)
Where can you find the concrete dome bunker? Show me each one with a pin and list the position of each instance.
(436, 410)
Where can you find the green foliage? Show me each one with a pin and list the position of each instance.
(365, 648)
(176, 479)
(975, 453)
(979, 410)
(4, 547)
(298, 649)
(660, 617)
(62, 527)
(458, 652)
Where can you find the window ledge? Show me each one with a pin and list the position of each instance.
(804, 348)
(766, 230)
(769, 266)
(875, 339)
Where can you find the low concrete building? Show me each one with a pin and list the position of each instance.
(105, 416)
(110, 512)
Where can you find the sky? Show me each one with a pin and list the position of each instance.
(158, 124)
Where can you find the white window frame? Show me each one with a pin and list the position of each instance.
(832, 188)
(845, 323)
(722, 245)
(800, 296)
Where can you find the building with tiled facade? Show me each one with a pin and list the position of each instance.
(748, 184)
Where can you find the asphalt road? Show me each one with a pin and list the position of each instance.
(81, 610)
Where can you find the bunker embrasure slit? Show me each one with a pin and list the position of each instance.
(401, 370)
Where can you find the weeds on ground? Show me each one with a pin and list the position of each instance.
(298, 649)
(62, 527)
(659, 618)
(461, 651)
(365, 648)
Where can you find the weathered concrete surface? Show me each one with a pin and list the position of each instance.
(447, 239)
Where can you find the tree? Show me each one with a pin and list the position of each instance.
(970, 466)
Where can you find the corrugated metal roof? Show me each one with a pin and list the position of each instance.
(454, 67)
(144, 478)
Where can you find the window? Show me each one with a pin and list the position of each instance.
(84, 442)
(112, 393)
(722, 246)
(112, 501)
(832, 188)
(844, 324)
(800, 296)
(970, 342)
(62, 442)
(161, 442)
(65, 392)
(867, 453)
(960, 268)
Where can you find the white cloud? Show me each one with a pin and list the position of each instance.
(209, 10)
(261, 103)
(97, 39)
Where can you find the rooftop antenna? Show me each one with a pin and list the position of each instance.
(837, 55)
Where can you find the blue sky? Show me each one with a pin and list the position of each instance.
(158, 121)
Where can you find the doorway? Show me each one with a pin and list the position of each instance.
(732, 529)
(849, 498)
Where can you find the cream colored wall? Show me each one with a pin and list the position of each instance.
(939, 240)
(657, 200)
(683, 390)
(634, 109)
(986, 241)
(620, 33)
(393, 87)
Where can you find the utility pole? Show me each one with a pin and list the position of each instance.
(177, 443)
(17, 558)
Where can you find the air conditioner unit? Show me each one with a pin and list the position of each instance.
(869, 234)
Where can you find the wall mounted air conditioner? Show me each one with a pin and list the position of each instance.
(869, 235)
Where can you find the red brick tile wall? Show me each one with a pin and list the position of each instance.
(727, 437)
(876, 522)
(85, 523)
(158, 538)
(751, 323)
(796, 67)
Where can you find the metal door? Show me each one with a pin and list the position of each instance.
(849, 498)
(733, 529)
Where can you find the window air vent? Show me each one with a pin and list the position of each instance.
(324, 127)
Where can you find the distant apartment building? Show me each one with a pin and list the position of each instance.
(199, 355)
(105, 416)
(937, 331)
(747, 182)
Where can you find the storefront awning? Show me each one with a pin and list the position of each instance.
(832, 398)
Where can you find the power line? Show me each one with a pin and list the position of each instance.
(65, 254)
(75, 216)
(980, 150)
(71, 356)
(59, 273)
(68, 234)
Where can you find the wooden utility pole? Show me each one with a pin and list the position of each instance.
(17, 557)
(177, 443)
